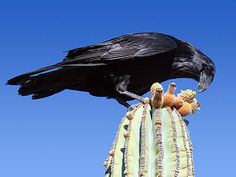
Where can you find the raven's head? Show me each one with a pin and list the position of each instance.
(189, 62)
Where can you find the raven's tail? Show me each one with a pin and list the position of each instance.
(40, 83)
(21, 78)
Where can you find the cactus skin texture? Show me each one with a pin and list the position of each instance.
(151, 142)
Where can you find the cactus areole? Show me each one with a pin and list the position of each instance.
(152, 139)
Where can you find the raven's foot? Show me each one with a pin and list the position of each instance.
(132, 95)
(121, 88)
(123, 102)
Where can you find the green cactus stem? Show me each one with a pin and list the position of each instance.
(151, 143)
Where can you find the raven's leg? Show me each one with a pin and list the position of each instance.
(121, 88)
(122, 102)
(131, 95)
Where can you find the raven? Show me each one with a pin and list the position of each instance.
(121, 68)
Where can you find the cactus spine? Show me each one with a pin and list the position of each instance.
(151, 142)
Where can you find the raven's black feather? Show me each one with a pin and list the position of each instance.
(143, 58)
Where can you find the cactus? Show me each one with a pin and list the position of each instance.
(152, 141)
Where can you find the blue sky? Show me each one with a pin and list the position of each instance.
(69, 134)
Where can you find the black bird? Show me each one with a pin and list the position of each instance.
(120, 68)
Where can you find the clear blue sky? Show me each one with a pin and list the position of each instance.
(69, 134)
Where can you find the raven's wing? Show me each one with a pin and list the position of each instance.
(121, 48)
(126, 47)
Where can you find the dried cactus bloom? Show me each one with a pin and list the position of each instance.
(157, 91)
(169, 96)
(187, 95)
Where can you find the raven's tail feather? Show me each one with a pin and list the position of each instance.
(41, 85)
(21, 78)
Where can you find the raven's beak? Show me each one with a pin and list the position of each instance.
(204, 82)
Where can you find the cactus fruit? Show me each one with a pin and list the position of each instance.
(187, 95)
(169, 96)
(185, 109)
(157, 91)
(152, 141)
(190, 103)
(178, 102)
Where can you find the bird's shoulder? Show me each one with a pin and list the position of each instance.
(147, 40)
(124, 47)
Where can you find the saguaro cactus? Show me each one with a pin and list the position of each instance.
(152, 141)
